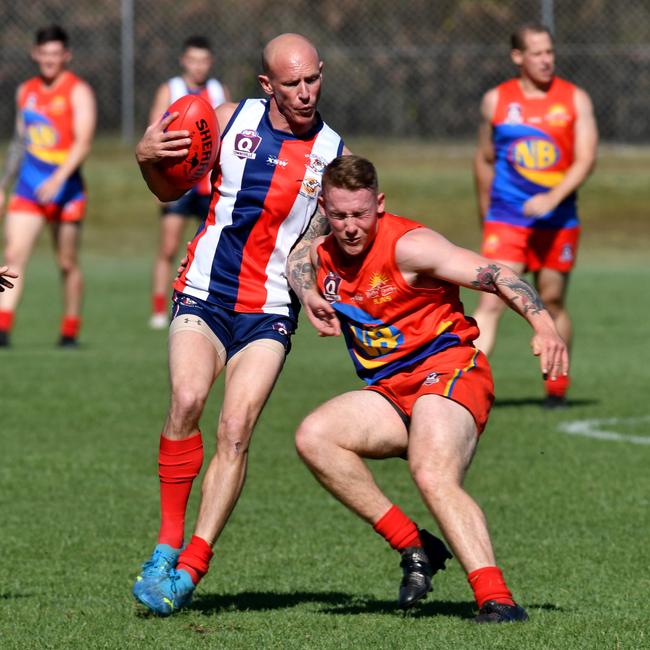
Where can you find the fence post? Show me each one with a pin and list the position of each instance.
(548, 14)
(128, 104)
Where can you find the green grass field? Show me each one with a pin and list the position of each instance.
(293, 569)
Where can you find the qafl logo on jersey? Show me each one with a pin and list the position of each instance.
(331, 285)
(514, 114)
(246, 144)
(316, 163)
(381, 289)
(558, 115)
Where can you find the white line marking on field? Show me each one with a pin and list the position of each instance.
(596, 429)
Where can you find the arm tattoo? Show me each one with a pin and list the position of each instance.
(488, 278)
(14, 158)
(529, 298)
(300, 271)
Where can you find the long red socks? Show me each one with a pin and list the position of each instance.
(488, 584)
(397, 529)
(557, 388)
(195, 558)
(6, 320)
(179, 463)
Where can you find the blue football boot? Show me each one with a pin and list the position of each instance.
(162, 561)
(167, 594)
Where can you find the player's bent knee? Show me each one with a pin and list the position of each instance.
(432, 481)
(233, 436)
(311, 437)
(187, 403)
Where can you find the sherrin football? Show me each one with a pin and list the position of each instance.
(196, 116)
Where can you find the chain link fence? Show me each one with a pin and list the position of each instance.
(415, 68)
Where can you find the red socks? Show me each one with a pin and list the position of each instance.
(488, 584)
(557, 388)
(179, 463)
(397, 529)
(70, 326)
(6, 320)
(159, 303)
(195, 558)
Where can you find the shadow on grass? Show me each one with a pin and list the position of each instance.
(12, 596)
(335, 603)
(539, 401)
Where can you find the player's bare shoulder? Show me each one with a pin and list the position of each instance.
(489, 103)
(418, 250)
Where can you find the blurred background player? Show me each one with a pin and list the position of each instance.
(196, 61)
(394, 286)
(55, 123)
(537, 145)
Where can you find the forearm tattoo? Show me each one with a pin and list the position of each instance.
(488, 278)
(14, 158)
(299, 267)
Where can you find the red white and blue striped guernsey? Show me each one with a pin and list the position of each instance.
(265, 187)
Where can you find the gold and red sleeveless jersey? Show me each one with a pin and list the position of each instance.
(533, 141)
(47, 115)
(387, 323)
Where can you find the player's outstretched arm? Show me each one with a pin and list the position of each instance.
(422, 254)
(302, 278)
(520, 296)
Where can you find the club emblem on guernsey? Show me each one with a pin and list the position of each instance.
(514, 114)
(310, 187)
(381, 290)
(246, 144)
(432, 378)
(316, 163)
(331, 287)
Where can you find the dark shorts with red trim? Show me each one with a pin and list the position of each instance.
(460, 373)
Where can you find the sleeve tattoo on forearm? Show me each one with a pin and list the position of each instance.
(488, 278)
(301, 271)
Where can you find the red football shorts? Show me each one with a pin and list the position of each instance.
(461, 373)
(72, 211)
(536, 248)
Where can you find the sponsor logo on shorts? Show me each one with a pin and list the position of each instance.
(331, 287)
(281, 328)
(432, 378)
(514, 114)
(187, 301)
(247, 143)
(567, 253)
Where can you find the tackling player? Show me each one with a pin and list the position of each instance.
(196, 61)
(55, 124)
(537, 145)
(393, 289)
